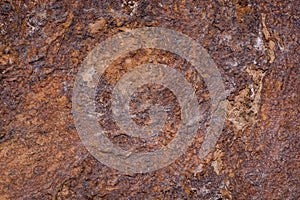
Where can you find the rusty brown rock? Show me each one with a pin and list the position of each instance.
(255, 46)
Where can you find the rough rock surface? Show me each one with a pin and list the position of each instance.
(255, 45)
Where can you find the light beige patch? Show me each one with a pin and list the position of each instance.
(98, 26)
(270, 40)
(243, 110)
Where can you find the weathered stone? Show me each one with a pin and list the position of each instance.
(255, 46)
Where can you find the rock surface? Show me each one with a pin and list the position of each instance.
(255, 45)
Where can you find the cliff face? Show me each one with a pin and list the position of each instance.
(255, 47)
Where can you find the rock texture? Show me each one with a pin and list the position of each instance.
(255, 45)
